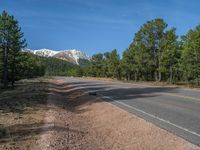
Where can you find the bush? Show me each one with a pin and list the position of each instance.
(3, 132)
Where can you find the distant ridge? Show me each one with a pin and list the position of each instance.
(73, 56)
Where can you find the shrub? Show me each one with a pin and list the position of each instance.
(3, 132)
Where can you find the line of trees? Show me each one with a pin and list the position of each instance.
(104, 65)
(32, 66)
(16, 64)
(155, 54)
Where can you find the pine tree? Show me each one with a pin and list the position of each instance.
(129, 66)
(17, 43)
(148, 44)
(170, 55)
(190, 56)
(5, 27)
(114, 64)
(11, 43)
(97, 65)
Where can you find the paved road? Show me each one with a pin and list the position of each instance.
(174, 109)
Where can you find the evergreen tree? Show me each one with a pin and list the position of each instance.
(5, 27)
(114, 64)
(17, 43)
(129, 66)
(148, 42)
(190, 56)
(170, 55)
(97, 65)
(11, 43)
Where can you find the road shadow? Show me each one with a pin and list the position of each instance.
(71, 97)
(119, 92)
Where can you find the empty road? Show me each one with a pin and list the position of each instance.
(174, 109)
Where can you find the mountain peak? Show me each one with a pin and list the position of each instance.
(72, 55)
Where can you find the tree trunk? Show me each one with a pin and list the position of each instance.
(156, 76)
(159, 76)
(171, 75)
(5, 67)
(129, 76)
(159, 73)
(119, 75)
(13, 72)
(135, 76)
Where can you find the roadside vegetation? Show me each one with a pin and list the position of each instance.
(155, 54)
(22, 112)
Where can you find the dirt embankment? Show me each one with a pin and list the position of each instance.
(72, 119)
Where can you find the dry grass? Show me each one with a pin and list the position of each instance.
(22, 113)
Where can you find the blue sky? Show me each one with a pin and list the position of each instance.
(96, 25)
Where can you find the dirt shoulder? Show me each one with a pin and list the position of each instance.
(80, 121)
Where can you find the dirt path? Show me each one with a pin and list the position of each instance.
(75, 120)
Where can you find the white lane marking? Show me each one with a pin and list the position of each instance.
(155, 117)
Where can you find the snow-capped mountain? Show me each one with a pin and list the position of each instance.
(72, 56)
(45, 52)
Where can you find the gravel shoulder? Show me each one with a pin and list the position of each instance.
(75, 120)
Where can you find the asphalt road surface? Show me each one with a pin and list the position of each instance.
(175, 109)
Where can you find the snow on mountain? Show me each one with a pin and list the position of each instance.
(45, 52)
(72, 56)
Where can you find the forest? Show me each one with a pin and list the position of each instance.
(155, 54)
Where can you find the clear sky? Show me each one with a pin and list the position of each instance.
(96, 25)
